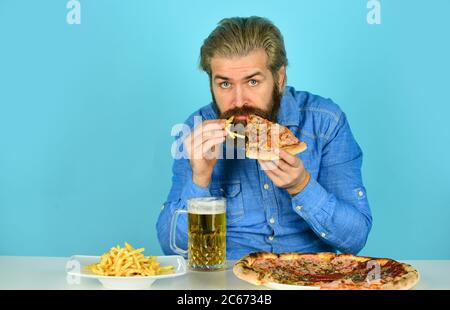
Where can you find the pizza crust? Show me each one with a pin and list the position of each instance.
(295, 149)
(244, 271)
(247, 274)
(291, 149)
(403, 282)
(260, 155)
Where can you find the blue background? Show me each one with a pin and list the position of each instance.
(86, 113)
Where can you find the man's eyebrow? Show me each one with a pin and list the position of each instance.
(253, 75)
(245, 78)
(221, 77)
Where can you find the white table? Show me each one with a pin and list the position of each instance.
(25, 272)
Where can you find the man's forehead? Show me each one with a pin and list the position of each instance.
(238, 67)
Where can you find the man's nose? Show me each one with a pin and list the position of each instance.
(239, 97)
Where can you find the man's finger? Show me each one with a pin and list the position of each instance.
(213, 125)
(207, 146)
(215, 132)
(214, 121)
(201, 133)
(201, 139)
(292, 160)
(206, 126)
(213, 153)
(268, 165)
(282, 165)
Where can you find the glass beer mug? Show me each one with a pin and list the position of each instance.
(206, 233)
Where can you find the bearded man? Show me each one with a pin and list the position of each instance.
(310, 202)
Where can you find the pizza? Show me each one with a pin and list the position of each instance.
(264, 138)
(326, 271)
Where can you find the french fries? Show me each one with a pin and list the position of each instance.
(128, 262)
(233, 135)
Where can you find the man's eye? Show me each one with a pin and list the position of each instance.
(253, 82)
(225, 85)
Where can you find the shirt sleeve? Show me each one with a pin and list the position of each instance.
(183, 189)
(335, 205)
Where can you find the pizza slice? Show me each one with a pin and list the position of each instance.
(264, 138)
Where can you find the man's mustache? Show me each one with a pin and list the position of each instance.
(245, 110)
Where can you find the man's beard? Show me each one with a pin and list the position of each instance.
(270, 114)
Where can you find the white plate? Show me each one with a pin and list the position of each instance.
(78, 262)
(278, 286)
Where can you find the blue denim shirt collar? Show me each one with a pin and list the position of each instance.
(289, 114)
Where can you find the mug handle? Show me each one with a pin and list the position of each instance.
(173, 231)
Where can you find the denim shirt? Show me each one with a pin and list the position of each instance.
(330, 214)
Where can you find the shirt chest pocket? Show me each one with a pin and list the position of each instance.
(231, 190)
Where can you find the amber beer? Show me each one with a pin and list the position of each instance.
(207, 234)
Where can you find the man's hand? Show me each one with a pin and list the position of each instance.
(288, 172)
(202, 147)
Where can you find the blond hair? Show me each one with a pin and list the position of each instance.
(238, 36)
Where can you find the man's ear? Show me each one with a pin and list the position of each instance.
(281, 79)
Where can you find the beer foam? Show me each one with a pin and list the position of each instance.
(208, 205)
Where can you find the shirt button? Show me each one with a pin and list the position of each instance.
(270, 238)
(360, 193)
(323, 235)
(299, 207)
(266, 186)
(222, 190)
(162, 207)
(272, 220)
